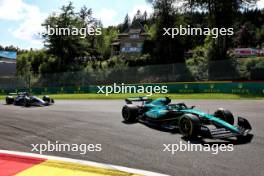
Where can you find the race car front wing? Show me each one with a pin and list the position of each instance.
(243, 127)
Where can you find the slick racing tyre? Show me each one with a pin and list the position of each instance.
(46, 99)
(10, 100)
(225, 115)
(130, 113)
(189, 125)
(26, 102)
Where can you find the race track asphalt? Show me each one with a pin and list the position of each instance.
(134, 145)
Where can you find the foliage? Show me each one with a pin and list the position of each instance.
(127, 22)
(246, 36)
(167, 49)
(141, 18)
(139, 61)
(23, 65)
(252, 68)
(12, 48)
(198, 64)
(69, 47)
(103, 42)
(220, 14)
(91, 55)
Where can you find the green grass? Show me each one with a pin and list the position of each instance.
(172, 96)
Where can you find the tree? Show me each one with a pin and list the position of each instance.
(86, 15)
(166, 49)
(23, 65)
(125, 24)
(23, 68)
(222, 14)
(138, 17)
(104, 41)
(87, 19)
(141, 18)
(68, 47)
(246, 36)
(145, 16)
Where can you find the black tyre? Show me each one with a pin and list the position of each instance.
(26, 102)
(46, 99)
(225, 115)
(10, 100)
(189, 125)
(130, 113)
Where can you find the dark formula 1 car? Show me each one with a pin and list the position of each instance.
(190, 121)
(24, 99)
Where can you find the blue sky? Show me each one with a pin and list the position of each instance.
(20, 19)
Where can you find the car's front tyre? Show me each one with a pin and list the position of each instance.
(189, 125)
(46, 99)
(130, 113)
(225, 115)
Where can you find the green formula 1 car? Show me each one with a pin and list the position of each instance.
(190, 121)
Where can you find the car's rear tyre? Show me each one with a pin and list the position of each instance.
(189, 125)
(10, 100)
(130, 113)
(225, 115)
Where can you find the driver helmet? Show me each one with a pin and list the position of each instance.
(167, 100)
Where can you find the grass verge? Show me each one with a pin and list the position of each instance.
(172, 96)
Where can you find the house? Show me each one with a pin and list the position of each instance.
(131, 41)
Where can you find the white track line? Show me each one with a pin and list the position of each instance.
(89, 163)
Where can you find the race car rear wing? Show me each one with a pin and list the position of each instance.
(137, 99)
(18, 93)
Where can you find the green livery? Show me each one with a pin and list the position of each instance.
(191, 122)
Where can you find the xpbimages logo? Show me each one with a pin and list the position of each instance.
(128, 89)
(189, 147)
(59, 147)
(72, 31)
(182, 31)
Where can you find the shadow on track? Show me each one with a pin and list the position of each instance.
(239, 141)
(155, 127)
(199, 140)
